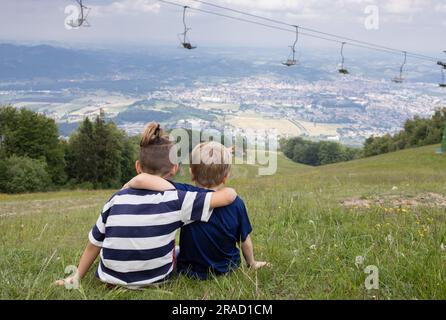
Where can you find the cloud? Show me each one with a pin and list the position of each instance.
(441, 8)
(406, 6)
(127, 7)
(324, 7)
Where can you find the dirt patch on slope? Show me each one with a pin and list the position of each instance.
(12, 208)
(398, 201)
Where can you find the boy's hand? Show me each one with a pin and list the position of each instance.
(70, 280)
(126, 186)
(90, 254)
(259, 264)
(223, 197)
(248, 253)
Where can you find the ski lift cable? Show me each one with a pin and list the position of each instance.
(288, 30)
(413, 54)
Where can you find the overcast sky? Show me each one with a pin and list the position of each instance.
(418, 25)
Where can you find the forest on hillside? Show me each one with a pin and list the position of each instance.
(34, 158)
(417, 132)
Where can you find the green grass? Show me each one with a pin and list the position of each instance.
(299, 226)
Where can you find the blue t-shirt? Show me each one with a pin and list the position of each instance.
(212, 246)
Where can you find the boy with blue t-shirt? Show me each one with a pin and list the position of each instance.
(211, 248)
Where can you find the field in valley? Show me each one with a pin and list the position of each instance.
(310, 223)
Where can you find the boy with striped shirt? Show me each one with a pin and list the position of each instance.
(135, 233)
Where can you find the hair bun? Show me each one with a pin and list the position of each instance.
(153, 134)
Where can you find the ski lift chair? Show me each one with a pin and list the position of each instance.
(82, 19)
(400, 78)
(342, 69)
(291, 61)
(185, 43)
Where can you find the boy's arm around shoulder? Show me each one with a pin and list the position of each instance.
(199, 205)
(223, 198)
(149, 182)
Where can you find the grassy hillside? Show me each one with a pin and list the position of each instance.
(310, 223)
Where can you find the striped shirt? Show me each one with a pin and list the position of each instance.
(136, 232)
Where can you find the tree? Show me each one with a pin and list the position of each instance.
(417, 132)
(23, 174)
(28, 134)
(109, 145)
(317, 153)
(81, 154)
(101, 154)
(330, 152)
(129, 156)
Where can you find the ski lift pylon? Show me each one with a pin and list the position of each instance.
(291, 61)
(343, 70)
(443, 67)
(400, 78)
(82, 18)
(185, 43)
(443, 83)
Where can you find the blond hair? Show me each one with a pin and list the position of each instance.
(210, 164)
(155, 151)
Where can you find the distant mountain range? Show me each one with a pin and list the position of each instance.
(47, 63)
(53, 66)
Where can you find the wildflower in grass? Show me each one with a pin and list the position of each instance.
(389, 239)
(425, 228)
(442, 247)
(313, 247)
